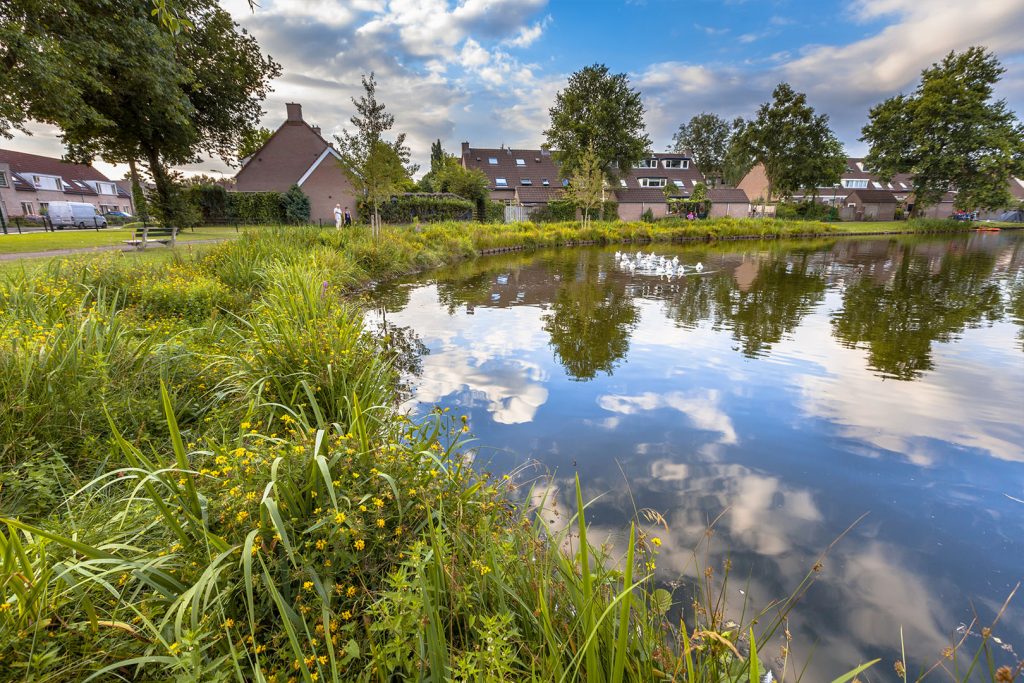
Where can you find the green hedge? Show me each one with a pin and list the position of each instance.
(402, 210)
(494, 212)
(256, 207)
(810, 211)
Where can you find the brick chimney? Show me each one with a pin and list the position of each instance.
(294, 111)
(465, 148)
(316, 129)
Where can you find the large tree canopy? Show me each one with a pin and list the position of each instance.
(598, 110)
(950, 134)
(121, 86)
(798, 149)
(706, 137)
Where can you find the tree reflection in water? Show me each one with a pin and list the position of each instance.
(927, 298)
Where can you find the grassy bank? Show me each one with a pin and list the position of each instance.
(518, 234)
(204, 477)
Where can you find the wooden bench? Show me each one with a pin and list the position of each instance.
(147, 234)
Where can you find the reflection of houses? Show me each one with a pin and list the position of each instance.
(296, 154)
(855, 178)
(29, 182)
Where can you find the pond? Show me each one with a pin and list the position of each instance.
(782, 392)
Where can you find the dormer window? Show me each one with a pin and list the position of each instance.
(623, 182)
(501, 182)
(47, 182)
(520, 162)
(493, 161)
(544, 182)
(3, 179)
(677, 163)
(525, 181)
(653, 182)
(647, 163)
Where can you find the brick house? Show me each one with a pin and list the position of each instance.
(297, 154)
(532, 178)
(869, 205)
(728, 201)
(854, 177)
(29, 182)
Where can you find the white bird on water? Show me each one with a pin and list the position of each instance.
(699, 267)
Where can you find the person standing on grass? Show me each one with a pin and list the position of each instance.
(348, 217)
(337, 216)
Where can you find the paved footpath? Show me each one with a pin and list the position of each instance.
(17, 256)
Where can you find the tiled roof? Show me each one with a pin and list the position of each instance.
(640, 195)
(728, 195)
(870, 196)
(22, 162)
(537, 166)
(537, 195)
(689, 176)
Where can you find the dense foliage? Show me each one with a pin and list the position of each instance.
(796, 146)
(598, 110)
(411, 208)
(949, 133)
(706, 138)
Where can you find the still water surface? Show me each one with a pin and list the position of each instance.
(786, 390)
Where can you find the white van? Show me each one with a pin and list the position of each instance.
(77, 214)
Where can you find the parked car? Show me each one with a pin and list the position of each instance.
(117, 214)
(76, 214)
(1016, 216)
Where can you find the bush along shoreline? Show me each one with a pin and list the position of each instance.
(205, 477)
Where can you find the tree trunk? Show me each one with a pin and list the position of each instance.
(163, 185)
(138, 196)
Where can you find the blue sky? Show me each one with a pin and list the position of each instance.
(486, 71)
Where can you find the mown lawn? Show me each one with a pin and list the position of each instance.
(82, 239)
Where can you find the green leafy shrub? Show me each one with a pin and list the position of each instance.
(494, 212)
(256, 207)
(427, 209)
(555, 211)
(647, 216)
(295, 206)
(809, 210)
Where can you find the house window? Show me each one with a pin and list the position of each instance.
(647, 163)
(26, 208)
(3, 179)
(525, 181)
(622, 182)
(44, 208)
(854, 183)
(677, 163)
(544, 182)
(653, 182)
(125, 209)
(105, 188)
(46, 182)
(493, 161)
(520, 162)
(501, 182)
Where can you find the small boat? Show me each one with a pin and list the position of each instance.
(987, 228)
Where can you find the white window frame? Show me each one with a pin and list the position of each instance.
(525, 181)
(855, 183)
(653, 182)
(26, 209)
(520, 162)
(544, 182)
(501, 182)
(57, 181)
(683, 164)
(44, 208)
(623, 182)
(647, 163)
(493, 161)
(3, 178)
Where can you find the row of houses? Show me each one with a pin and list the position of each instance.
(298, 154)
(29, 182)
